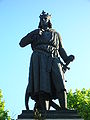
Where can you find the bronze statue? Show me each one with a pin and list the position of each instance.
(45, 79)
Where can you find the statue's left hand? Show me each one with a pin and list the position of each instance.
(70, 59)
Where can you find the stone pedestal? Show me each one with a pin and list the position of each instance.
(50, 115)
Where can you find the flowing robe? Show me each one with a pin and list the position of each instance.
(45, 69)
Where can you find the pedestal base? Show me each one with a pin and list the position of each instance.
(50, 115)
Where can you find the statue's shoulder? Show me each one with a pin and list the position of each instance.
(53, 30)
(36, 31)
(58, 34)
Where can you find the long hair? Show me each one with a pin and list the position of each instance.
(49, 24)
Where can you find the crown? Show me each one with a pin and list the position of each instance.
(45, 15)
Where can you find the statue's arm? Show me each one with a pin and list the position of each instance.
(67, 59)
(26, 40)
(63, 54)
(62, 51)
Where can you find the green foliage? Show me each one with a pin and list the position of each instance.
(80, 100)
(37, 115)
(3, 113)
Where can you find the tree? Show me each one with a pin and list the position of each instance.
(80, 101)
(3, 113)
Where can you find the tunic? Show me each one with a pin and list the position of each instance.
(45, 69)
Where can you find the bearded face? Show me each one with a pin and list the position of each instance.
(44, 20)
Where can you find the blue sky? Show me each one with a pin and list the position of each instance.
(71, 18)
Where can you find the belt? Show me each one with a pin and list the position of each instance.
(54, 53)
